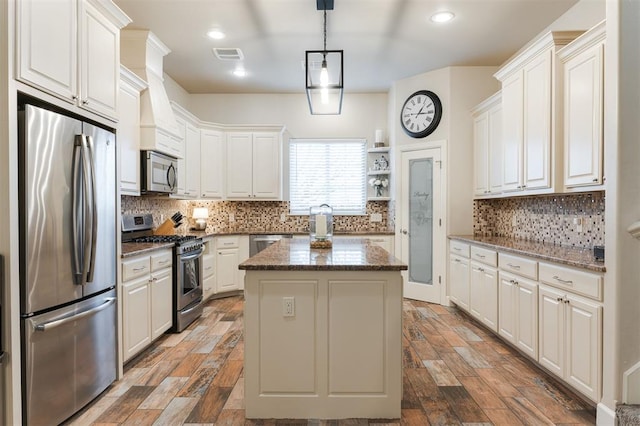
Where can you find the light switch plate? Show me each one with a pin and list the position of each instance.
(375, 217)
(232, 217)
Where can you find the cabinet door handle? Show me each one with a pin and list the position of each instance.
(457, 248)
(456, 260)
(481, 256)
(142, 268)
(595, 180)
(85, 102)
(557, 278)
(163, 262)
(478, 269)
(513, 266)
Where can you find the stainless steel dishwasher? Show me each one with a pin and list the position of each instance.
(259, 242)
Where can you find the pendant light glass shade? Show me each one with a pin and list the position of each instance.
(324, 83)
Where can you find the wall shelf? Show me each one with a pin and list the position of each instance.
(380, 150)
(378, 172)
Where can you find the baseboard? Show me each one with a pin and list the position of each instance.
(605, 416)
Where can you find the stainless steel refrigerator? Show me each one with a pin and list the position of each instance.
(67, 192)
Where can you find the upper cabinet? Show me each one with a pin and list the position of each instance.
(531, 95)
(71, 49)
(583, 72)
(189, 156)
(129, 131)
(487, 147)
(254, 165)
(211, 163)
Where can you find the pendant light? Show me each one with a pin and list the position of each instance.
(324, 74)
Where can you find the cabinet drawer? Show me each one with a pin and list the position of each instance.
(227, 242)
(459, 248)
(576, 281)
(485, 256)
(518, 265)
(134, 268)
(208, 262)
(161, 260)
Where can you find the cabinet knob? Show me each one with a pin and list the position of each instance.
(595, 180)
(74, 97)
(404, 231)
(85, 102)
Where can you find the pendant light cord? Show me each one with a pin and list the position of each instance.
(325, 30)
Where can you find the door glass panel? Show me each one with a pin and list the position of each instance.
(421, 221)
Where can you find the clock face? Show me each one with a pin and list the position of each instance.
(421, 113)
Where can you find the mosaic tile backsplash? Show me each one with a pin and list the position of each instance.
(551, 219)
(251, 216)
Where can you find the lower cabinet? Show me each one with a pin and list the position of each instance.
(459, 281)
(147, 285)
(551, 313)
(483, 285)
(230, 252)
(571, 339)
(518, 312)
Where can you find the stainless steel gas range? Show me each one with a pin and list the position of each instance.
(187, 266)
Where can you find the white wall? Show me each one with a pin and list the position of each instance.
(175, 92)
(361, 114)
(459, 89)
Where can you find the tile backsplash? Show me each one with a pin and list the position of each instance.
(552, 219)
(251, 216)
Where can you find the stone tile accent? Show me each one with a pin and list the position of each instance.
(252, 216)
(548, 219)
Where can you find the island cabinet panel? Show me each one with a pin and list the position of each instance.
(287, 360)
(337, 354)
(359, 368)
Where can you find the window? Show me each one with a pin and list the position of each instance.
(327, 171)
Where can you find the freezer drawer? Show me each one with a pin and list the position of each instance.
(70, 358)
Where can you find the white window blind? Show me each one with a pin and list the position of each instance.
(329, 171)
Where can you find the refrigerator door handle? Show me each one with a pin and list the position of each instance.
(45, 326)
(91, 204)
(77, 215)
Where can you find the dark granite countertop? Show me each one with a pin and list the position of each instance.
(571, 256)
(134, 249)
(349, 254)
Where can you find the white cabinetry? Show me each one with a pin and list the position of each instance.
(583, 70)
(571, 328)
(208, 269)
(147, 300)
(71, 49)
(531, 90)
(189, 160)
(129, 131)
(254, 165)
(518, 312)
(551, 313)
(211, 163)
(230, 252)
(459, 274)
(487, 147)
(483, 286)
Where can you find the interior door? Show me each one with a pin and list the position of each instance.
(420, 223)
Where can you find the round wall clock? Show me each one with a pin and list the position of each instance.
(421, 113)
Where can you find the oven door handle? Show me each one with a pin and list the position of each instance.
(190, 256)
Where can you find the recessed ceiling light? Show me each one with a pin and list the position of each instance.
(216, 34)
(240, 72)
(440, 17)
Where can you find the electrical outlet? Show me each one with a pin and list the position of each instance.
(232, 217)
(514, 221)
(288, 307)
(283, 217)
(375, 217)
(577, 221)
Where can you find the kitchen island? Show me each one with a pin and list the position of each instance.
(323, 331)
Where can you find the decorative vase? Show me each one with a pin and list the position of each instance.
(379, 191)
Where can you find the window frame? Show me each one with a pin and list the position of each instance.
(356, 141)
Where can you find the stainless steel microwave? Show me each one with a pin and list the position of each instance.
(159, 173)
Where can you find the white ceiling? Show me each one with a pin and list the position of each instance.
(383, 40)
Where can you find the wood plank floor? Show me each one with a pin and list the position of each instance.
(455, 372)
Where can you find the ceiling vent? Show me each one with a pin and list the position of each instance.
(228, 53)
